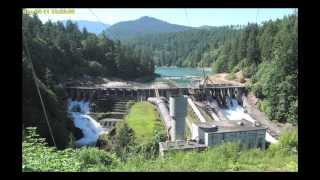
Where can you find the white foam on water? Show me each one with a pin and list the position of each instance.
(270, 139)
(90, 128)
(236, 112)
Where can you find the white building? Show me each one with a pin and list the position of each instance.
(213, 133)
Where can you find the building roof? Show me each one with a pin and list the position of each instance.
(180, 145)
(228, 126)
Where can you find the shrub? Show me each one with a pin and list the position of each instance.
(231, 76)
(124, 140)
(220, 65)
(289, 139)
(241, 78)
(104, 142)
(37, 156)
(225, 157)
(93, 157)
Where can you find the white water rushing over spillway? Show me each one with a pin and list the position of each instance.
(237, 112)
(90, 128)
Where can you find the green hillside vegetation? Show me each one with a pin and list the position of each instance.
(267, 54)
(37, 156)
(60, 53)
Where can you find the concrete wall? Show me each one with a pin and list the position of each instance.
(250, 139)
(194, 132)
(178, 112)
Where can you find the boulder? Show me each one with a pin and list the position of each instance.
(78, 134)
(103, 142)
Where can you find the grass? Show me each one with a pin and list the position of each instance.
(144, 119)
(225, 157)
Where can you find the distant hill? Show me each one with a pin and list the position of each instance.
(92, 26)
(206, 27)
(142, 26)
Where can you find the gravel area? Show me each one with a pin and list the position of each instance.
(274, 128)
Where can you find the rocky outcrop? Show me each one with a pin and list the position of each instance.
(103, 142)
(77, 133)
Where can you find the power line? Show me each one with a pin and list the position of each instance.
(186, 14)
(257, 16)
(38, 89)
(204, 75)
(102, 23)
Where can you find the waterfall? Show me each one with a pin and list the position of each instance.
(237, 112)
(90, 128)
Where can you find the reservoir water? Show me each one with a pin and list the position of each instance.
(181, 77)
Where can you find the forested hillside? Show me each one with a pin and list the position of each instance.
(188, 48)
(142, 26)
(60, 53)
(268, 54)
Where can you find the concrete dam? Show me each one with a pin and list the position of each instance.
(172, 104)
(218, 92)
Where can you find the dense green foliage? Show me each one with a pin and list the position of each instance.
(124, 140)
(268, 54)
(66, 52)
(276, 79)
(32, 114)
(37, 156)
(188, 48)
(60, 53)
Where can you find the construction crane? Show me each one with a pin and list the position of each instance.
(205, 78)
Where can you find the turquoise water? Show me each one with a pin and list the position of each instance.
(181, 77)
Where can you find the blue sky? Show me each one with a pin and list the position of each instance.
(183, 16)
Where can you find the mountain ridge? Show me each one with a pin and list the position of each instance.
(142, 26)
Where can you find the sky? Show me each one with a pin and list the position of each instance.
(194, 17)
